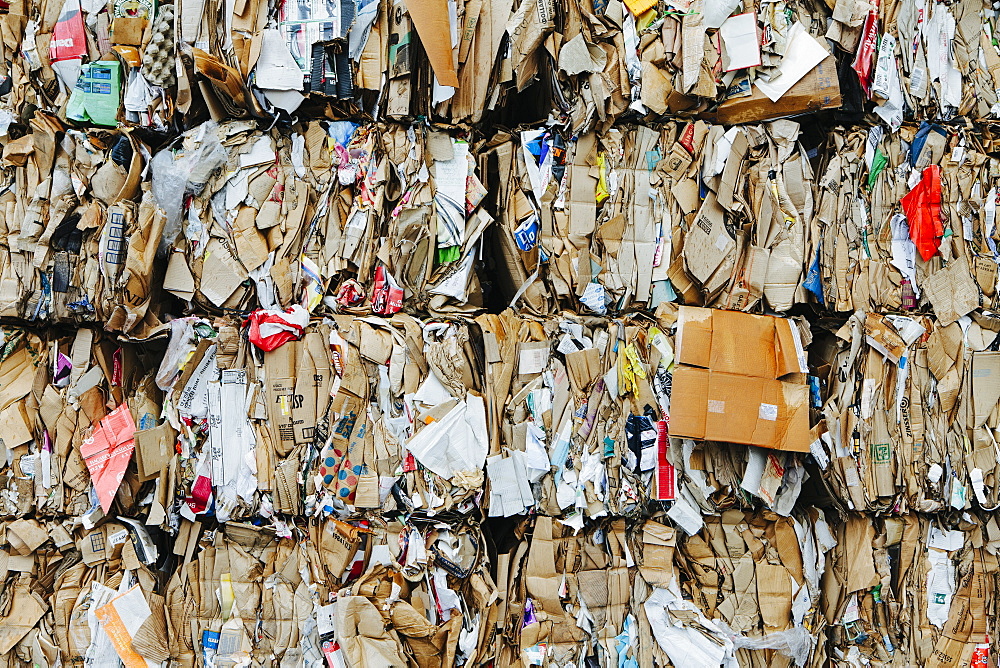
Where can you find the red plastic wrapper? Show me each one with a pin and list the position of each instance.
(666, 475)
(201, 492)
(981, 656)
(387, 296)
(270, 328)
(922, 207)
(864, 59)
(69, 38)
(350, 294)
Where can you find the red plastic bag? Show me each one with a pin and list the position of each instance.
(270, 328)
(922, 206)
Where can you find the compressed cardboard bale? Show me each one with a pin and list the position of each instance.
(498, 333)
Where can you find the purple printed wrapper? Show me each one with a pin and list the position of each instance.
(529, 613)
(63, 368)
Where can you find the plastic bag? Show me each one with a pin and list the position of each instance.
(795, 643)
(270, 328)
(186, 170)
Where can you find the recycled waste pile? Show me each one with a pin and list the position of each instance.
(499, 333)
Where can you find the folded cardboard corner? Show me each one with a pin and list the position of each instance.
(739, 379)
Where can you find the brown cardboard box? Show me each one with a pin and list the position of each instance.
(820, 89)
(689, 401)
(738, 380)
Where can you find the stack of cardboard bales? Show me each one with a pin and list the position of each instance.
(467, 333)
